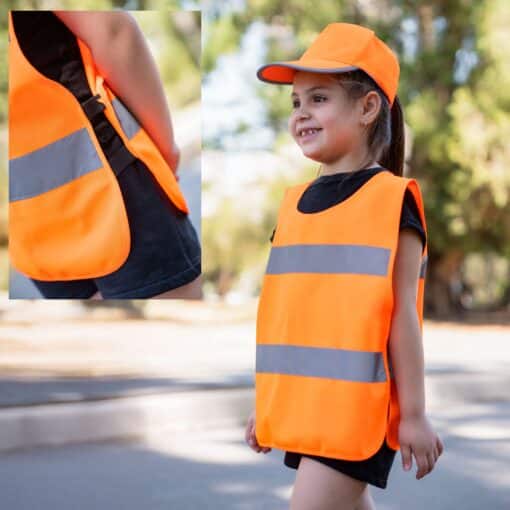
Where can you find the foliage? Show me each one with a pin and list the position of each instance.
(237, 240)
(454, 86)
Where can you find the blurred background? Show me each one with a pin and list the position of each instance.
(143, 404)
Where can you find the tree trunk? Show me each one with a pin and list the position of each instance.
(443, 285)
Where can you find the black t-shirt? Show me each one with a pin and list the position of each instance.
(329, 190)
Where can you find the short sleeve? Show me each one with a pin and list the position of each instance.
(410, 217)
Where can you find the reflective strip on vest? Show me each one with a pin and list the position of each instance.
(328, 258)
(52, 166)
(347, 365)
(128, 123)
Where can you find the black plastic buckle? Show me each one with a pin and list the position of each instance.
(104, 131)
(92, 106)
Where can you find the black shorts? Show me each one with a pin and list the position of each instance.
(374, 470)
(165, 249)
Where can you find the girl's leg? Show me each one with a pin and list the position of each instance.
(365, 502)
(319, 487)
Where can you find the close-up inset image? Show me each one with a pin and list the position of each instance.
(100, 176)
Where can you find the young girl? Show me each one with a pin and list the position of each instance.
(339, 372)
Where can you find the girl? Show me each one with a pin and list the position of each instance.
(339, 372)
(75, 230)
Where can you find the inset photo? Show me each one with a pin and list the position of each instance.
(104, 154)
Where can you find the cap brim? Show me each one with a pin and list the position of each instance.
(283, 72)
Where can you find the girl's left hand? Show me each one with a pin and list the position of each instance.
(418, 438)
(251, 438)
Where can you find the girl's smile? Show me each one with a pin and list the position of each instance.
(307, 134)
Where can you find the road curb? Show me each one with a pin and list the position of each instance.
(122, 418)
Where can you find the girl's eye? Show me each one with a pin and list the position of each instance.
(316, 98)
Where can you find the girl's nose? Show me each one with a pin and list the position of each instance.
(302, 113)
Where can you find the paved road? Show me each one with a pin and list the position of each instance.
(30, 391)
(213, 469)
(198, 466)
(468, 376)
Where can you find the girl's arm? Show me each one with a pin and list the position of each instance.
(416, 435)
(124, 60)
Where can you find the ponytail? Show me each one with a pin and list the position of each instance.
(393, 156)
(386, 134)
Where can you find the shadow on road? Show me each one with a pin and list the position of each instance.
(25, 391)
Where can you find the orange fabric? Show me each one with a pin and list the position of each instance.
(80, 229)
(141, 144)
(342, 46)
(319, 415)
(41, 229)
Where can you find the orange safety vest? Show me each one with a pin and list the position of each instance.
(323, 378)
(67, 218)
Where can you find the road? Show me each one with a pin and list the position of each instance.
(193, 463)
(213, 469)
(205, 467)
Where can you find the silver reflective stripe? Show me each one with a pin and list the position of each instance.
(328, 258)
(127, 121)
(321, 362)
(52, 166)
(423, 267)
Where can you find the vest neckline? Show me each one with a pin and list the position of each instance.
(342, 176)
(340, 204)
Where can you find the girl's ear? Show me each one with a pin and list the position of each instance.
(370, 107)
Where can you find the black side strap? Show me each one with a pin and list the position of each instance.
(120, 159)
(104, 131)
(73, 78)
(92, 106)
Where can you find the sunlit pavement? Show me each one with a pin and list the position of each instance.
(214, 469)
(204, 465)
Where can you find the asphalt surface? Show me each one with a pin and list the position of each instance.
(214, 469)
(37, 391)
(194, 462)
(203, 466)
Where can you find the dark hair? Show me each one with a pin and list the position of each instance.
(386, 134)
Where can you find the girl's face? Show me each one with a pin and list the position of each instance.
(323, 122)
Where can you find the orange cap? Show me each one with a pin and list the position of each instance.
(341, 47)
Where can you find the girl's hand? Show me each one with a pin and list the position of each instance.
(173, 159)
(417, 437)
(250, 438)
